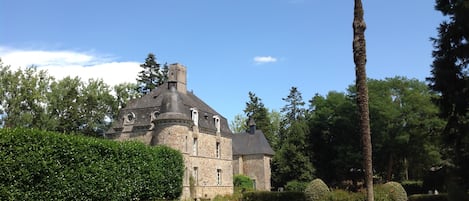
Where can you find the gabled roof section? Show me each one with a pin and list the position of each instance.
(150, 104)
(251, 144)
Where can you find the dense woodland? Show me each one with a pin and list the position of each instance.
(419, 129)
(322, 139)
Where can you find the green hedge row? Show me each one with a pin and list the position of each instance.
(40, 165)
(273, 196)
(439, 197)
(426, 197)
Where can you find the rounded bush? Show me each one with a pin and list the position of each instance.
(395, 191)
(316, 190)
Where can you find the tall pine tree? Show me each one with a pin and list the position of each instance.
(291, 161)
(255, 109)
(151, 76)
(450, 78)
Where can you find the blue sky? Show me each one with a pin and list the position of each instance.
(229, 47)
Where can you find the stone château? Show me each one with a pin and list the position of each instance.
(172, 116)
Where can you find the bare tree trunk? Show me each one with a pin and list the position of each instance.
(359, 57)
(390, 168)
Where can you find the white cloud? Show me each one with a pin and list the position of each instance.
(60, 64)
(264, 59)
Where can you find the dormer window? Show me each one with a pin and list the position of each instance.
(216, 121)
(195, 116)
(129, 118)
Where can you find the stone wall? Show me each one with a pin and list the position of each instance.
(256, 167)
(214, 172)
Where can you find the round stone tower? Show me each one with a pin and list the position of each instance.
(172, 124)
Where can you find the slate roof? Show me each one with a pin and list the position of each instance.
(144, 106)
(250, 144)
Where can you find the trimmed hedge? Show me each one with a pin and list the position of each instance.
(439, 197)
(426, 197)
(342, 195)
(273, 196)
(40, 165)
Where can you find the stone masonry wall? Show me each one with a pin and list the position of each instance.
(254, 167)
(214, 173)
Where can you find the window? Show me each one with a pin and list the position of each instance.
(218, 177)
(216, 121)
(196, 175)
(218, 151)
(194, 147)
(195, 116)
(185, 145)
(129, 118)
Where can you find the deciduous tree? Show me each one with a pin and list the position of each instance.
(335, 138)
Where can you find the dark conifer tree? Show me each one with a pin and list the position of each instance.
(450, 78)
(151, 76)
(255, 109)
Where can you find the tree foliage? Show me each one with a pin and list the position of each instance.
(23, 96)
(124, 93)
(152, 75)
(238, 124)
(405, 127)
(292, 159)
(450, 78)
(294, 108)
(334, 137)
(31, 98)
(404, 123)
(255, 109)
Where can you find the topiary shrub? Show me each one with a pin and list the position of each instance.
(395, 191)
(316, 190)
(296, 186)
